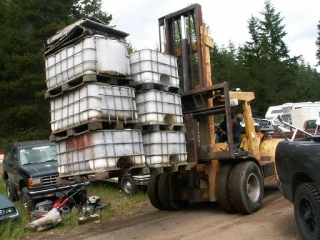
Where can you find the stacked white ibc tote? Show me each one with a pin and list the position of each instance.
(159, 108)
(86, 112)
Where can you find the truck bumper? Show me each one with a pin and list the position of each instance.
(50, 192)
(141, 180)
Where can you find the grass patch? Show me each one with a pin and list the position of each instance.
(14, 229)
(120, 205)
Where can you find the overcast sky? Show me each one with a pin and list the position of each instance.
(227, 20)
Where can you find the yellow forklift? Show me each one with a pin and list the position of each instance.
(234, 176)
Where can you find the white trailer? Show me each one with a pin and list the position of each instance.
(300, 115)
(285, 110)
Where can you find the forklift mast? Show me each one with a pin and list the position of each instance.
(183, 35)
(211, 165)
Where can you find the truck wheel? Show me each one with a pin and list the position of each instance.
(128, 185)
(152, 190)
(27, 202)
(11, 191)
(246, 185)
(223, 189)
(307, 211)
(163, 192)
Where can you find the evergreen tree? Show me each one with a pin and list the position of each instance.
(308, 83)
(251, 49)
(266, 58)
(318, 45)
(271, 33)
(130, 48)
(267, 36)
(92, 9)
(25, 26)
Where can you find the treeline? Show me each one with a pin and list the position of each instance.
(262, 65)
(25, 27)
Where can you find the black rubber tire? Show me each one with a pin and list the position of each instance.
(11, 191)
(307, 211)
(128, 186)
(163, 191)
(247, 187)
(223, 189)
(152, 190)
(27, 202)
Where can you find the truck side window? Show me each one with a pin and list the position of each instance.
(15, 156)
(7, 157)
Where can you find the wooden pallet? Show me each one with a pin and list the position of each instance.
(98, 176)
(159, 127)
(149, 86)
(175, 90)
(91, 126)
(157, 86)
(79, 81)
(156, 169)
(83, 177)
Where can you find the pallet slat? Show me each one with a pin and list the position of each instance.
(79, 81)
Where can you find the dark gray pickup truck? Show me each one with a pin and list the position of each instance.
(30, 170)
(298, 169)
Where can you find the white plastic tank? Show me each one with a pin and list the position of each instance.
(165, 148)
(152, 66)
(159, 107)
(97, 151)
(91, 55)
(93, 101)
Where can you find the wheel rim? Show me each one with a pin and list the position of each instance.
(64, 210)
(306, 213)
(253, 187)
(127, 187)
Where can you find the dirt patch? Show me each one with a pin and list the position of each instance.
(199, 221)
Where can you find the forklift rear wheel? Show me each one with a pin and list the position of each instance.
(128, 185)
(223, 189)
(152, 190)
(246, 185)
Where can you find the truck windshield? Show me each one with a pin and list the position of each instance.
(38, 154)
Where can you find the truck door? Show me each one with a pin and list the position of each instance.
(14, 172)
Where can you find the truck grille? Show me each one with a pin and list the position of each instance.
(49, 180)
